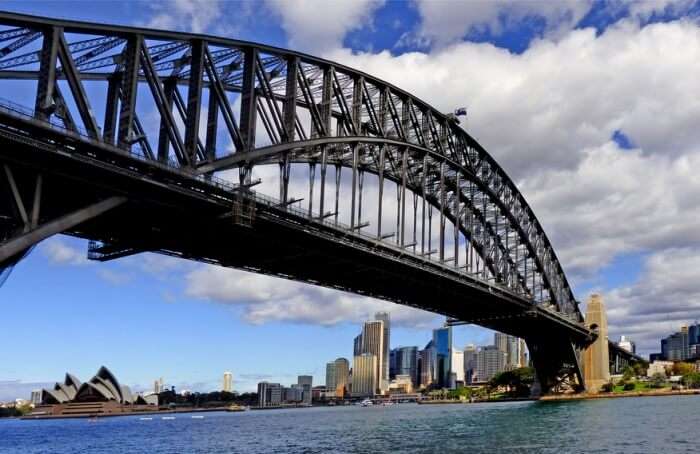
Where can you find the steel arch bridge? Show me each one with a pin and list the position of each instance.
(120, 135)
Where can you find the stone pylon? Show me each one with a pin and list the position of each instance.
(596, 358)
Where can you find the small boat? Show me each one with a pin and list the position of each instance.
(197, 417)
(367, 403)
(235, 407)
(387, 403)
(168, 417)
(145, 419)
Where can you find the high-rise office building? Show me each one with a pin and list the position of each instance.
(407, 363)
(457, 367)
(357, 345)
(337, 376)
(373, 343)
(392, 362)
(626, 344)
(269, 394)
(675, 347)
(442, 343)
(427, 365)
(489, 361)
(330, 376)
(228, 382)
(364, 375)
(512, 346)
(342, 370)
(470, 353)
(386, 342)
(158, 386)
(306, 383)
(523, 353)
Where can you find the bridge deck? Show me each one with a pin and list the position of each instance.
(173, 212)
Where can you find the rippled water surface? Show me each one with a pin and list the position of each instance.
(632, 425)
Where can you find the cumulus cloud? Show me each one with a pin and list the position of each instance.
(196, 16)
(541, 109)
(666, 296)
(59, 252)
(618, 201)
(443, 24)
(267, 299)
(318, 25)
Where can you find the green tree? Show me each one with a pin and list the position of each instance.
(517, 382)
(627, 374)
(640, 368)
(692, 380)
(658, 380)
(681, 368)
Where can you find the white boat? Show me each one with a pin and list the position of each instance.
(367, 402)
(387, 403)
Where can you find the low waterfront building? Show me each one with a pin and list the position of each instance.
(269, 394)
(659, 367)
(401, 384)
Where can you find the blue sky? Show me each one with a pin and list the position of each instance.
(144, 318)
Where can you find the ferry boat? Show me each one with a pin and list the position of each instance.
(236, 407)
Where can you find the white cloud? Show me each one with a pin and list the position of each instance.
(318, 25)
(267, 299)
(195, 16)
(443, 23)
(59, 252)
(666, 296)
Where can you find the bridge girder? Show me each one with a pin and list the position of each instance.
(293, 109)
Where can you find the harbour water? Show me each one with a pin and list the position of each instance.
(631, 425)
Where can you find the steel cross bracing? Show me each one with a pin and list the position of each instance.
(224, 104)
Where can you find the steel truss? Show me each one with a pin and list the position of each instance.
(294, 109)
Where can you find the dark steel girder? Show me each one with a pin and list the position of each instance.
(346, 95)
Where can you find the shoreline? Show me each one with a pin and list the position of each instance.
(584, 396)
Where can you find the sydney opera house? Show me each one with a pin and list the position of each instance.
(101, 395)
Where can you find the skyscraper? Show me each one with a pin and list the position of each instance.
(357, 345)
(373, 343)
(228, 382)
(384, 372)
(427, 365)
(306, 383)
(442, 343)
(407, 363)
(470, 354)
(342, 370)
(457, 367)
(330, 376)
(364, 375)
(512, 347)
(626, 344)
(489, 361)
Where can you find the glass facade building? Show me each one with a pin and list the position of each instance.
(442, 343)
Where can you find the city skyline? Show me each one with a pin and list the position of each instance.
(250, 316)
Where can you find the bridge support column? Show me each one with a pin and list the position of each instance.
(596, 356)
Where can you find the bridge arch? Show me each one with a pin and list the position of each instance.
(226, 104)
